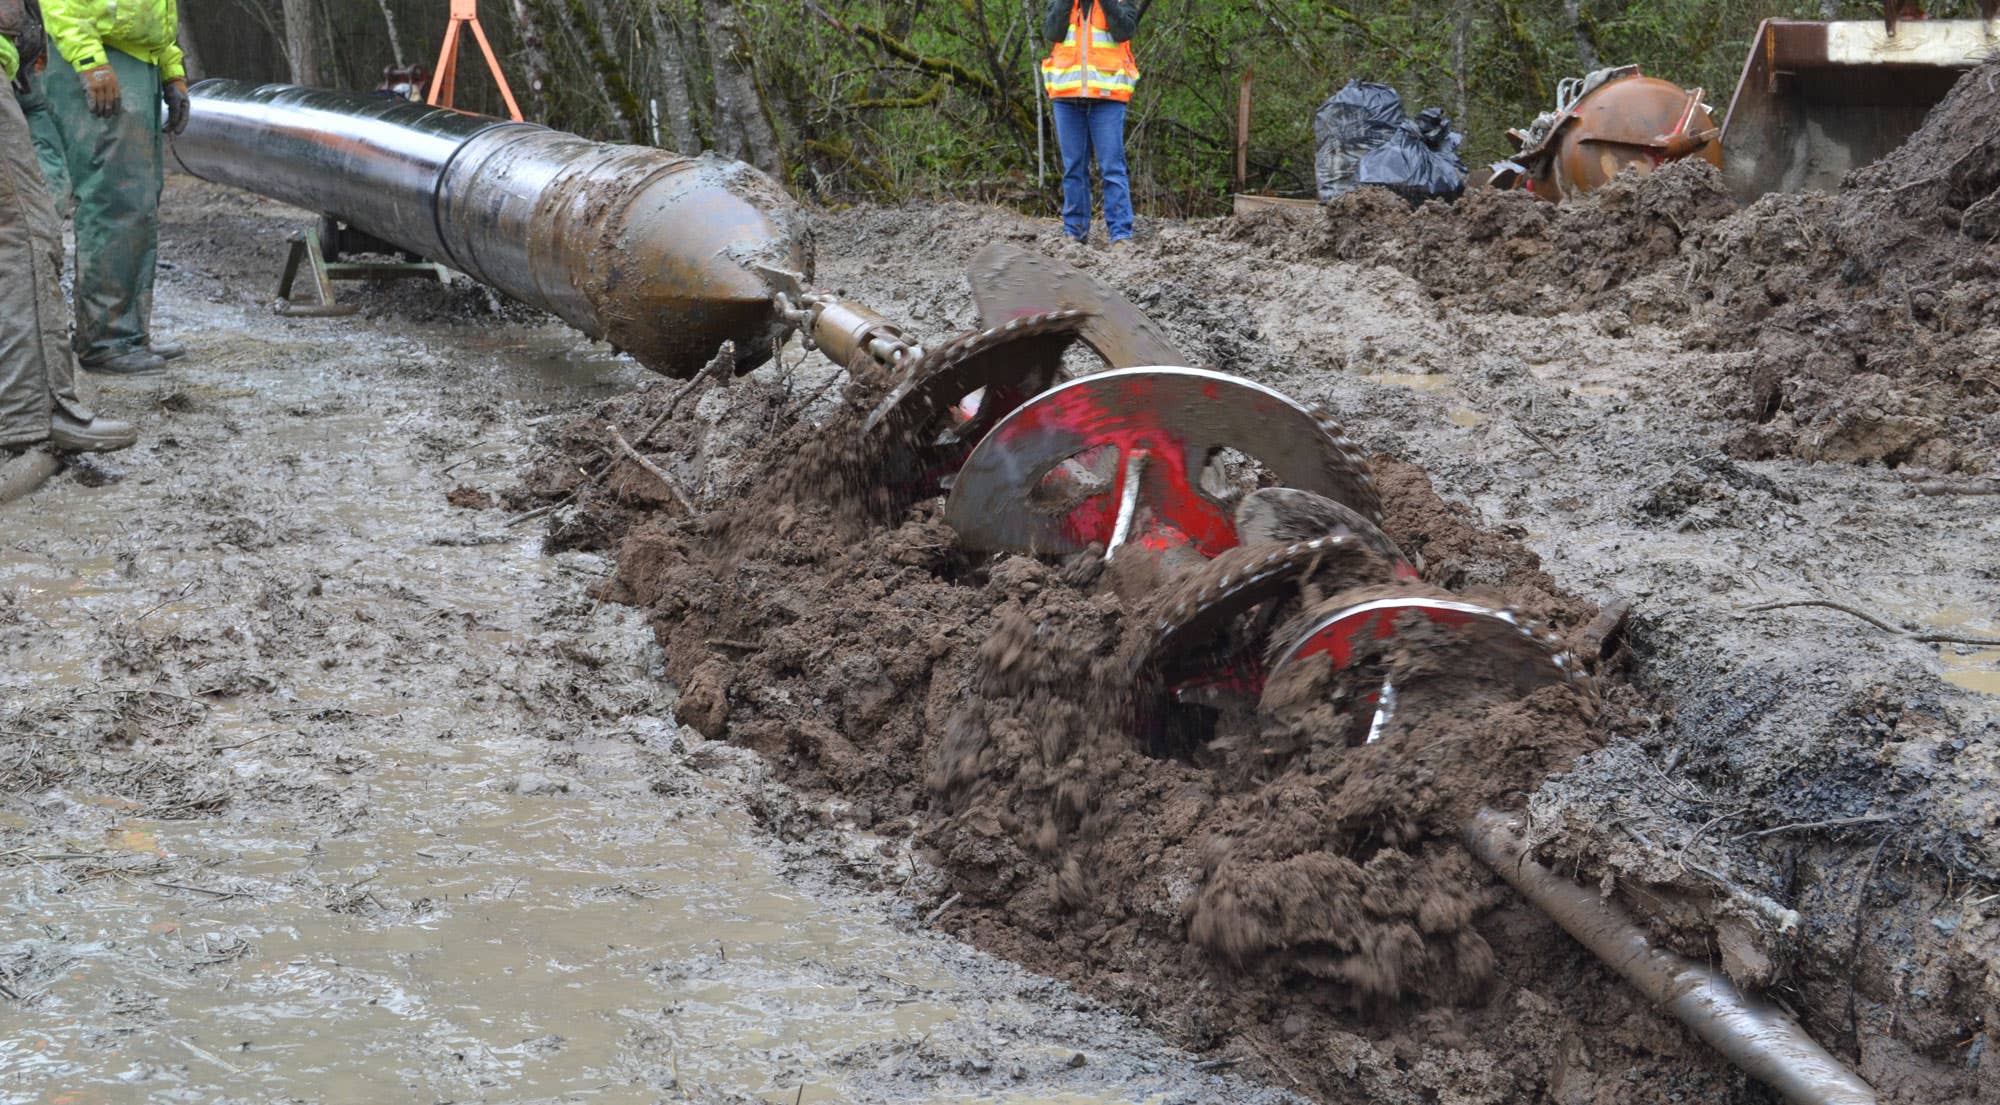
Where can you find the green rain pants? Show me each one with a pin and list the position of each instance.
(48, 146)
(115, 170)
(37, 369)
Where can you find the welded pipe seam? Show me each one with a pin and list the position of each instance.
(1758, 1037)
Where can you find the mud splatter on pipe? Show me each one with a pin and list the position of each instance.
(656, 253)
(1761, 1039)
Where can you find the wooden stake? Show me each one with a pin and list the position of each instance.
(1243, 128)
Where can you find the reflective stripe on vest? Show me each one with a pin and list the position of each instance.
(1100, 69)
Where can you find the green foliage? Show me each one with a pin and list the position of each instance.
(895, 99)
(953, 113)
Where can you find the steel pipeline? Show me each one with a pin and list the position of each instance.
(657, 253)
(1756, 1036)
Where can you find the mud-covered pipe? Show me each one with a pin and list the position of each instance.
(656, 253)
(1758, 1037)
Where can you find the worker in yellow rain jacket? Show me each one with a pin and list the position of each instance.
(111, 63)
(1089, 75)
(39, 404)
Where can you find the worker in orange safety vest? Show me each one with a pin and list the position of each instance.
(1089, 75)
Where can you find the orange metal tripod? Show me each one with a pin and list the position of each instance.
(465, 13)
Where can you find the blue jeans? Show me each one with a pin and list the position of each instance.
(1085, 126)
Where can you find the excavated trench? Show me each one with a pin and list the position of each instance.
(1277, 899)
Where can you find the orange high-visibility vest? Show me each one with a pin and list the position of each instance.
(1091, 65)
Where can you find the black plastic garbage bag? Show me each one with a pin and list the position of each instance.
(1354, 120)
(1364, 138)
(1413, 166)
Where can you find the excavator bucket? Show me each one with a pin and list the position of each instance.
(1818, 99)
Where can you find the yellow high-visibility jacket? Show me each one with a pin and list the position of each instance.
(81, 30)
(14, 22)
(1088, 62)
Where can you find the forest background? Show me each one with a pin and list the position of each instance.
(891, 100)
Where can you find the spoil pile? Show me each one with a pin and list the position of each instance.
(1874, 314)
(1871, 317)
(1275, 894)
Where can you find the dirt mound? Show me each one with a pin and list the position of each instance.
(1274, 888)
(1874, 314)
(1508, 251)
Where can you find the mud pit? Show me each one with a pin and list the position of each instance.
(1791, 793)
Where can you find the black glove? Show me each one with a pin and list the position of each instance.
(176, 93)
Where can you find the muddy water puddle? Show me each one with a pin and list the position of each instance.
(1971, 667)
(329, 791)
(1457, 411)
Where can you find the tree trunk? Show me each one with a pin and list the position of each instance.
(1461, 29)
(190, 56)
(302, 41)
(597, 30)
(1526, 50)
(1586, 49)
(742, 129)
(395, 39)
(533, 53)
(678, 104)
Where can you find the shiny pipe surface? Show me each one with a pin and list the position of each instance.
(1756, 1036)
(657, 253)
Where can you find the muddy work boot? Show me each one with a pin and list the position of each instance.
(95, 434)
(167, 350)
(139, 362)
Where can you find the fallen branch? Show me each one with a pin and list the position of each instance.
(932, 917)
(1830, 605)
(549, 509)
(225, 894)
(795, 412)
(658, 472)
(723, 363)
(1596, 641)
(1920, 638)
(1802, 826)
